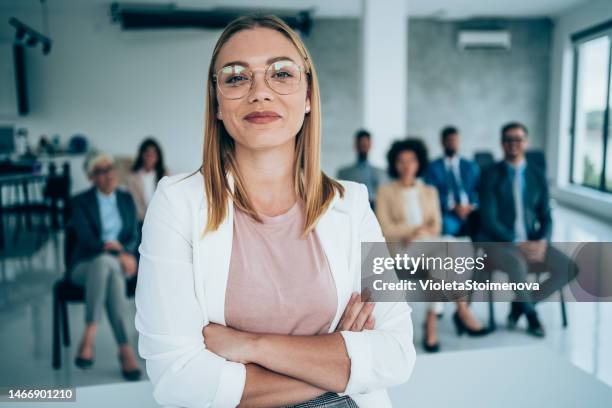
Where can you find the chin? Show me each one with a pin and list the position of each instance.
(265, 139)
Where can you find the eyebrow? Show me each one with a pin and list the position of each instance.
(246, 64)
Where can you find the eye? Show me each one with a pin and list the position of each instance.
(235, 80)
(282, 75)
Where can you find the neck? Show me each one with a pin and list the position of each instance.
(268, 177)
(516, 160)
(105, 192)
(407, 181)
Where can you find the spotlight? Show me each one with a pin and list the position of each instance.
(30, 37)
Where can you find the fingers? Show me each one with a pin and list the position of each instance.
(369, 325)
(364, 314)
(357, 315)
(346, 321)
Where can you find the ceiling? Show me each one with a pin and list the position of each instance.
(443, 9)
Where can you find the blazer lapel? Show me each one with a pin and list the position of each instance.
(212, 260)
(337, 250)
(93, 209)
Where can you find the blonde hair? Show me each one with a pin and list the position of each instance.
(93, 159)
(313, 187)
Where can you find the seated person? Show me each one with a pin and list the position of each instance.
(409, 210)
(456, 179)
(362, 171)
(104, 222)
(514, 207)
(146, 172)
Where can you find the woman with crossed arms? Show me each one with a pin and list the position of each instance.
(249, 268)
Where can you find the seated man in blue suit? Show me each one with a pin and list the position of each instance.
(514, 208)
(456, 179)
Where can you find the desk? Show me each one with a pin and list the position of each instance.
(510, 377)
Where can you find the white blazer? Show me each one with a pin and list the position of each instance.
(182, 281)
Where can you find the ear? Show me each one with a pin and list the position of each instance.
(307, 110)
(219, 115)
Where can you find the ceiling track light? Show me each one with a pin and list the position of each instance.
(25, 34)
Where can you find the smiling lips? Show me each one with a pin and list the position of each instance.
(262, 117)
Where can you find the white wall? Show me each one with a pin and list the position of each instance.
(116, 86)
(558, 142)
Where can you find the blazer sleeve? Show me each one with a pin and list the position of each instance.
(473, 194)
(86, 236)
(170, 319)
(385, 356)
(434, 221)
(134, 186)
(544, 212)
(489, 217)
(131, 245)
(393, 231)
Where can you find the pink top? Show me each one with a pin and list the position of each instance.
(278, 283)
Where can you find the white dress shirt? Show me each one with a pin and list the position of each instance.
(182, 282)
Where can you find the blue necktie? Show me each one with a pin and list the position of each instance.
(454, 187)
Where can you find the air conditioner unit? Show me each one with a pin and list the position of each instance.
(484, 40)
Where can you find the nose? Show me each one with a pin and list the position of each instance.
(259, 90)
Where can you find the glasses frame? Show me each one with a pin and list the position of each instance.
(303, 72)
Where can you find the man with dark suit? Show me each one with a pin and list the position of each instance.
(362, 171)
(514, 208)
(456, 179)
(105, 226)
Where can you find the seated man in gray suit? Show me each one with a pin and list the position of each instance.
(514, 208)
(362, 171)
(105, 225)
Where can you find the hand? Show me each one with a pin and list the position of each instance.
(418, 233)
(113, 246)
(357, 315)
(534, 251)
(231, 344)
(463, 210)
(128, 264)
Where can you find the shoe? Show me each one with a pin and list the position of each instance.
(515, 314)
(430, 348)
(83, 363)
(130, 375)
(461, 327)
(534, 327)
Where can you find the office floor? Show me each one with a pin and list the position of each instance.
(25, 319)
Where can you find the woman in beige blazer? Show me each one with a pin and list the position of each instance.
(147, 170)
(408, 210)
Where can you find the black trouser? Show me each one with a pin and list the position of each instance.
(509, 259)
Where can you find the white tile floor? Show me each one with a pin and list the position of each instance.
(25, 321)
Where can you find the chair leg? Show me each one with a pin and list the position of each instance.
(492, 324)
(65, 324)
(57, 363)
(563, 311)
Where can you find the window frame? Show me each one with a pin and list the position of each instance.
(577, 39)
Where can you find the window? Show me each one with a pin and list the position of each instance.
(591, 152)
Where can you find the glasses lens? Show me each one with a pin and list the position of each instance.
(234, 81)
(284, 77)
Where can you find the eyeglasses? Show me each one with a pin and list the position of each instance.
(236, 81)
(513, 139)
(100, 171)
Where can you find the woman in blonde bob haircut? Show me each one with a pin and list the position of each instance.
(312, 186)
(250, 270)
